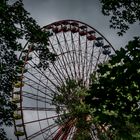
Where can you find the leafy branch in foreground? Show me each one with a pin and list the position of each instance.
(115, 93)
(122, 12)
(72, 95)
(110, 105)
(16, 26)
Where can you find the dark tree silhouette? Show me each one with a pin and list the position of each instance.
(15, 25)
(122, 12)
(115, 93)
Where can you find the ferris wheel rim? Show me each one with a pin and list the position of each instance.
(73, 20)
(24, 123)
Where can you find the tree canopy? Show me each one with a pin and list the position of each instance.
(110, 107)
(122, 12)
(15, 25)
(115, 93)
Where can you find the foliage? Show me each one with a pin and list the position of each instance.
(15, 25)
(3, 134)
(71, 95)
(70, 92)
(82, 135)
(122, 12)
(111, 103)
(19, 133)
(115, 93)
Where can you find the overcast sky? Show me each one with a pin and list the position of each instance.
(88, 11)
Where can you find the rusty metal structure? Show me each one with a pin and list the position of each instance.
(79, 49)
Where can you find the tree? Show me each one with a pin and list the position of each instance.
(122, 12)
(71, 95)
(115, 93)
(15, 25)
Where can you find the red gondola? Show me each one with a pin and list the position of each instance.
(91, 32)
(82, 33)
(74, 24)
(74, 30)
(56, 30)
(65, 29)
(49, 27)
(65, 22)
(83, 27)
(57, 23)
(91, 37)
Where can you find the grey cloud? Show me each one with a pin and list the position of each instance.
(88, 11)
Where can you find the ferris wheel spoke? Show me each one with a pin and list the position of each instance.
(44, 87)
(91, 59)
(98, 60)
(39, 80)
(37, 98)
(37, 89)
(77, 64)
(66, 133)
(53, 74)
(63, 58)
(51, 135)
(47, 118)
(42, 73)
(84, 61)
(58, 70)
(67, 126)
(61, 134)
(75, 60)
(70, 133)
(74, 132)
(26, 108)
(105, 59)
(93, 135)
(68, 54)
(83, 70)
(87, 59)
(59, 61)
(79, 56)
(59, 81)
(40, 132)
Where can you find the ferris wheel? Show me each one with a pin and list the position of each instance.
(78, 49)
